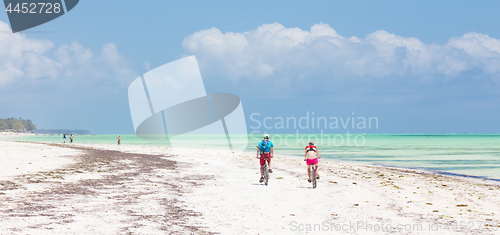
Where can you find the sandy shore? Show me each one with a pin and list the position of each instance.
(144, 189)
(9, 134)
(22, 158)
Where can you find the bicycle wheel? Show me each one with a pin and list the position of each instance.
(266, 174)
(313, 176)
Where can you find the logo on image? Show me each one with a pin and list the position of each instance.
(170, 101)
(25, 14)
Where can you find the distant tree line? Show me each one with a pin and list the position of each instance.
(62, 131)
(15, 124)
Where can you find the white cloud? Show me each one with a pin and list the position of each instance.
(146, 66)
(273, 48)
(25, 60)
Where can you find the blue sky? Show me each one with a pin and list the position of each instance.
(419, 67)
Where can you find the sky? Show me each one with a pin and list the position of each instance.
(418, 67)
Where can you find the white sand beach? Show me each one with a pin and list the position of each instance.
(23, 158)
(155, 190)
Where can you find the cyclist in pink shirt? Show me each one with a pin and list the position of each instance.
(310, 158)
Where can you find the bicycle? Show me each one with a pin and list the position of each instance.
(313, 174)
(266, 171)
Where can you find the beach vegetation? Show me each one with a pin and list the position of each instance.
(3, 124)
(61, 131)
(17, 125)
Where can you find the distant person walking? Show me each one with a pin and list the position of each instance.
(64, 138)
(310, 158)
(71, 138)
(119, 138)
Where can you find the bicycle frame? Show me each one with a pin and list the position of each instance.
(266, 171)
(313, 174)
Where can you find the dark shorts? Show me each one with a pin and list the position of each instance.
(262, 156)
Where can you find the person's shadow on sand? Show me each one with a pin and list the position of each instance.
(261, 184)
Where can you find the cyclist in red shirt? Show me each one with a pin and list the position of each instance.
(310, 158)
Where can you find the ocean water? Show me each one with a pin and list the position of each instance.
(475, 155)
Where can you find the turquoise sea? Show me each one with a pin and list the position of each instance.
(475, 155)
